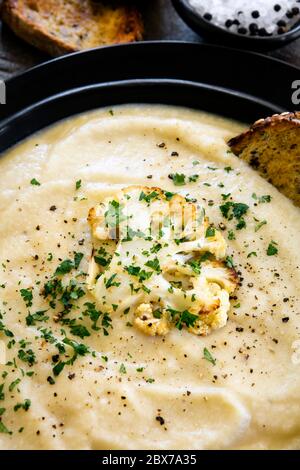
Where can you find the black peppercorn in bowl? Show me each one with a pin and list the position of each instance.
(256, 40)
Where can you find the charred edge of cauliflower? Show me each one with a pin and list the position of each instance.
(216, 271)
(146, 322)
(215, 317)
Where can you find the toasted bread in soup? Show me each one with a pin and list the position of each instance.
(272, 147)
(61, 26)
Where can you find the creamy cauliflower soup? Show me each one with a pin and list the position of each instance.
(123, 323)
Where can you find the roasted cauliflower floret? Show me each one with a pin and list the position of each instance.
(214, 318)
(147, 323)
(148, 211)
(218, 273)
(160, 249)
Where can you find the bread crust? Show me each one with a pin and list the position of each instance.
(272, 147)
(64, 26)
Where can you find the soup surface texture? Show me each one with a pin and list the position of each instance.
(66, 387)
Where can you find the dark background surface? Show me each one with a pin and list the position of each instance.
(161, 22)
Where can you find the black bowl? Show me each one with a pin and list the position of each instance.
(228, 103)
(151, 72)
(218, 34)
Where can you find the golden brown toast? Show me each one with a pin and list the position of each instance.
(272, 147)
(61, 26)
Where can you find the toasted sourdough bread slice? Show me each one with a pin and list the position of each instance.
(272, 147)
(61, 26)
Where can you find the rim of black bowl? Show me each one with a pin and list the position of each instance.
(54, 108)
(200, 25)
(78, 69)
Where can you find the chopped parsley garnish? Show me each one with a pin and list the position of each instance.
(182, 318)
(148, 197)
(79, 349)
(78, 184)
(229, 262)
(113, 216)
(169, 195)
(106, 323)
(27, 296)
(241, 224)
(57, 369)
(67, 265)
(3, 428)
(6, 331)
(272, 249)
(253, 253)
(186, 318)
(259, 225)
(111, 283)
(138, 272)
(35, 182)
(93, 314)
(13, 384)
(154, 264)
(133, 270)
(155, 248)
(178, 179)
(225, 209)
(79, 330)
(39, 316)
(193, 178)
(102, 257)
(157, 313)
(24, 406)
(101, 261)
(65, 294)
(210, 232)
(262, 199)
(27, 356)
(228, 169)
(122, 369)
(231, 235)
(236, 210)
(146, 289)
(208, 356)
(239, 209)
(77, 259)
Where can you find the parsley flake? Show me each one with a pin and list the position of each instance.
(35, 182)
(178, 179)
(272, 249)
(208, 356)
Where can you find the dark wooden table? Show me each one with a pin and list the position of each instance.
(161, 22)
